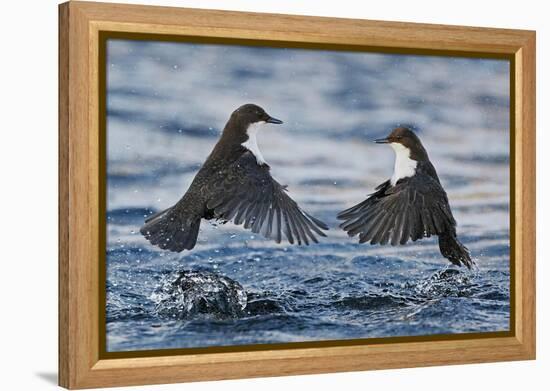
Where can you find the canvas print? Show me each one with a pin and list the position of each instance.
(260, 195)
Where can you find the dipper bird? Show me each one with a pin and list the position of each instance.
(412, 204)
(234, 184)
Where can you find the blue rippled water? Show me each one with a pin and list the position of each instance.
(167, 103)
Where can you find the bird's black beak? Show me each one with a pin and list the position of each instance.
(271, 120)
(382, 141)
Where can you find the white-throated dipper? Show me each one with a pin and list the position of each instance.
(234, 184)
(412, 204)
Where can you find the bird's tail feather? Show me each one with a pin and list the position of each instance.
(171, 230)
(454, 251)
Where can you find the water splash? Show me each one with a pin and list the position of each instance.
(186, 294)
(449, 282)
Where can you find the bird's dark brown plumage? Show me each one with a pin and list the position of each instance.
(415, 207)
(232, 186)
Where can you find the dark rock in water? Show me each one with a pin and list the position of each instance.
(372, 302)
(263, 306)
(185, 294)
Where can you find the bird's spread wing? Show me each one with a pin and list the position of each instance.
(246, 193)
(415, 207)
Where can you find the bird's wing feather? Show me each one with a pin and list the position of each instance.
(245, 193)
(415, 207)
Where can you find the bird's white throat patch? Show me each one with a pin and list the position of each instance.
(252, 143)
(404, 166)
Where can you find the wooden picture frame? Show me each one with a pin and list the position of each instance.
(81, 25)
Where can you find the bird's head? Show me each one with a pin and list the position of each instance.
(404, 139)
(249, 114)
